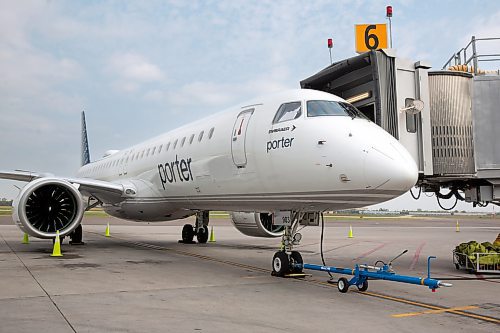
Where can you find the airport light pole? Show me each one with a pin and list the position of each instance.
(330, 46)
(388, 14)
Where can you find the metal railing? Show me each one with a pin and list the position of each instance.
(460, 57)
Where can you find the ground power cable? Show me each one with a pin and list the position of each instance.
(321, 243)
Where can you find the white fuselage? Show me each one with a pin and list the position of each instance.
(239, 160)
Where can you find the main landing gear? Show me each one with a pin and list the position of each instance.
(77, 236)
(200, 230)
(287, 261)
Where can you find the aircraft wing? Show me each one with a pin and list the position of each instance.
(107, 192)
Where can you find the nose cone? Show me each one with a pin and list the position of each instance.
(390, 167)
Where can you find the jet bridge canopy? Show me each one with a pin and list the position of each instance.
(452, 135)
(357, 80)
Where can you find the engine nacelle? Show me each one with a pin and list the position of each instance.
(256, 224)
(48, 205)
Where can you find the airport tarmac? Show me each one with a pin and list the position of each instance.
(142, 280)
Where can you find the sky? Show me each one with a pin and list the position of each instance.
(141, 68)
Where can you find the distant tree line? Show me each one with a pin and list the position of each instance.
(5, 202)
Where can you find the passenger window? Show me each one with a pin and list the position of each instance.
(153, 152)
(175, 143)
(201, 136)
(288, 111)
(191, 139)
(168, 147)
(147, 152)
(211, 133)
(159, 149)
(182, 142)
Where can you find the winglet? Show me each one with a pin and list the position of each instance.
(85, 142)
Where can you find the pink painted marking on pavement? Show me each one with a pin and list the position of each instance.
(369, 252)
(414, 261)
(484, 278)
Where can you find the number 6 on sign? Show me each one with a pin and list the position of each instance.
(370, 37)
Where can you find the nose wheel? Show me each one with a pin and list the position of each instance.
(287, 263)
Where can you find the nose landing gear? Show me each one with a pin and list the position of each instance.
(287, 261)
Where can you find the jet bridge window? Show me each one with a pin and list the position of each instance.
(287, 111)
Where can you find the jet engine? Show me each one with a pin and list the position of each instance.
(256, 224)
(47, 205)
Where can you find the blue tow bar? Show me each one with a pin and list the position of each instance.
(361, 274)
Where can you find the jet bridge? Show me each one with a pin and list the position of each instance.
(447, 119)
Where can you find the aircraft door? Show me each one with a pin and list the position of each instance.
(239, 137)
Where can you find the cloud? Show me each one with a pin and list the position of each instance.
(135, 67)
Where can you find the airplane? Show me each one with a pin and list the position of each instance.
(275, 162)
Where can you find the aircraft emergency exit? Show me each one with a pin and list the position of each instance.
(290, 155)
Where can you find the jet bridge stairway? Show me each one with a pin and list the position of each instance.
(449, 119)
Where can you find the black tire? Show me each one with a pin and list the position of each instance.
(202, 235)
(296, 258)
(187, 233)
(343, 285)
(77, 234)
(281, 264)
(363, 286)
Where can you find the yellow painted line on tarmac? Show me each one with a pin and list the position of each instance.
(429, 306)
(412, 314)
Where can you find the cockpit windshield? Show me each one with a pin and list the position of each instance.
(331, 108)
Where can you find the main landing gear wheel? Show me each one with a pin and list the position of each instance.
(76, 236)
(187, 233)
(363, 286)
(343, 285)
(295, 259)
(281, 264)
(202, 235)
